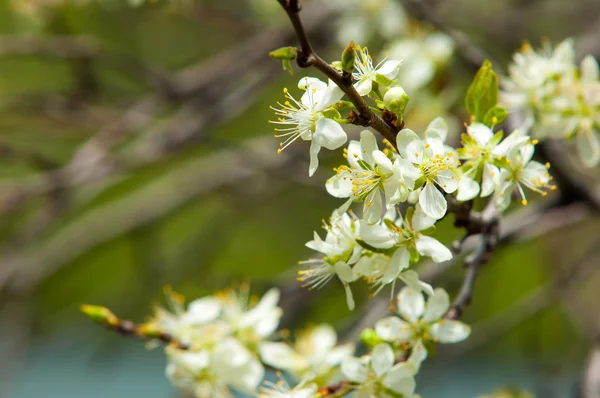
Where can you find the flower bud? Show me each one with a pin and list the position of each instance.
(284, 53)
(348, 58)
(100, 314)
(396, 100)
(370, 338)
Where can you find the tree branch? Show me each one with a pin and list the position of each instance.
(308, 57)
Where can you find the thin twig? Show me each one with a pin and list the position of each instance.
(308, 57)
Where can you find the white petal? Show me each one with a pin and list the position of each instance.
(202, 311)
(315, 148)
(411, 278)
(389, 69)
(437, 306)
(418, 354)
(401, 379)
(410, 146)
(440, 125)
(308, 81)
(447, 331)
(354, 154)
(340, 185)
(329, 133)
(373, 207)
(489, 179)
(364, 87)
(433, 202)
(588, 146)
(382, 359)
(420, 220)
(368, 144)
(589, 69)
(377, 235)
(323, 338)
(430, 247)
(278, 355)
(344, 272)
(355, 370)
(481, 133)
(339, 354)
(330, 96)
(393, 328)
(383, 161)
(411, 304)
(447, 180)
(467, 189)
(398, 262)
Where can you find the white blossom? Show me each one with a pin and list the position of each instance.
(210, 372)
(370, 174)
(306, 120)
(366, 74)
(282, 390)
(340, 249)
(313, 355)
(376, 375)
(404, 238)
(435, 162)
(421, 321)
(521, 171)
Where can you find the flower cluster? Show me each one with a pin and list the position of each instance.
(557, 99)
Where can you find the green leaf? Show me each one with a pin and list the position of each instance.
(410, 212)
(482, 94)
(370, 339)
(384, 81)
(496, 138)
(414, 255)
(494, 116)
(364, 165)
(331, 113)
(287, 65)
(430, 347)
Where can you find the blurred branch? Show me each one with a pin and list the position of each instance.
(534, 303)
(472, 55)
(23, 269)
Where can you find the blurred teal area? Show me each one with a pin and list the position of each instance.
(165, 208)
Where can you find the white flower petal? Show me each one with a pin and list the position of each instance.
(420, 220)
(393, 328)
(588, 146)
(589, 69)
(373, 207)
(389, 69)
(368, 144)
(315, 148)
(339, 354)
(355, 370)
(383, 161)
(411, 278)
(401, 379)
(489, 179)
(448, 331)
(418, 354)
(410, 146)
(323, 338)
(467, 189)
(382, 359)
(481, 133)
(437, 306)
(430, 247)
(398, 262)
(278, 355)
(340, 185)
(447, 180)
(440, 125)
(329, 133)
(202, 311)
(433, 202)
(377, 235)
(411, 304)
(364, 87)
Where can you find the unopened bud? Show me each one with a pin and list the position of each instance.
(100, 314)
(396, 100)
(348, 57)
(370, 338)
(284, 53)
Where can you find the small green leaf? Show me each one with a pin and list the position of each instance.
(494, 116)
(496, 138)
(482, 94)
(364, 165)
(414, 255)
(287, 65)
(384, 81)
(370, 338)
(410, 212)
(331, 113)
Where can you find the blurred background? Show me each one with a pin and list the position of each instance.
(135, 153)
